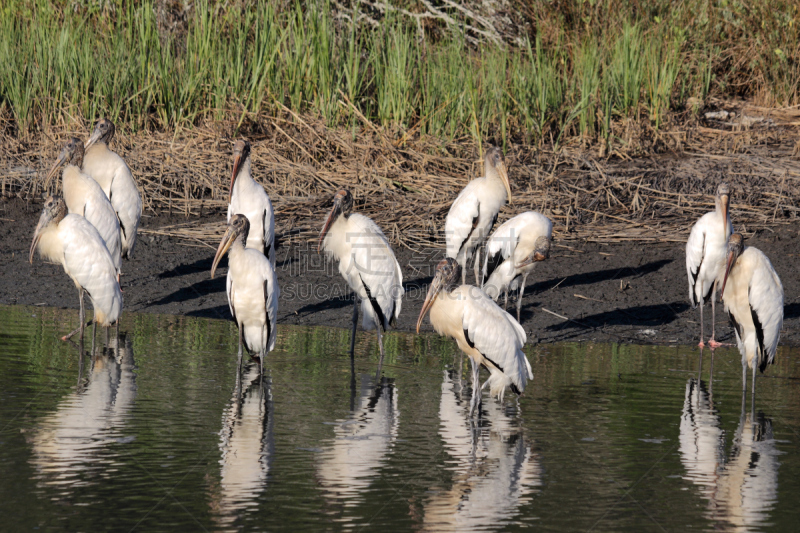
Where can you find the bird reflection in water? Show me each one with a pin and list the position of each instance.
(362, 441)
(495, 470)
(73, 442)
(740, 486)
(247, 447)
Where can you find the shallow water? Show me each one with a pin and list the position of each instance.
(154, 432)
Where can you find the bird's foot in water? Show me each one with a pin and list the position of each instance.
(701, 344)
(714, 344)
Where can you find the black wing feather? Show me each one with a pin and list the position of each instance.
(474, 225)
(375, 305)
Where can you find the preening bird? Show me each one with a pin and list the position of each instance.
(111, 172)
(753, 296)
(487, 334)
(705, 257)
(367, 263)
(69, 239)
(475, 210)
(84, 197)
(253, 291)
(248, 198)
(512, 253)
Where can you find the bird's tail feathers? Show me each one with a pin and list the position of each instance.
(497, 383)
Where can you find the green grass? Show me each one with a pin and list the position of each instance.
(588, 64)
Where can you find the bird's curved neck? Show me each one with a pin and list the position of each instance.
(244, 176)
(492, 174)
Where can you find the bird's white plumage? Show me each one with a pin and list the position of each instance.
(77, 245)
(249, 198)
(705, 255)
(114, 176)
(482, 198)
(84, 197)
(754, 288)
(368, 264)
(253, 296)
(512, 242)
(495, 339)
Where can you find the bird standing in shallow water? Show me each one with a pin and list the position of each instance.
(753, 296)
(84, 197)
(474, 212)
(69, 239)
(111, 172)
(253, 291)
(487, 334)
(249, 198)
(512, 253)
(367, 263)
(705, 257)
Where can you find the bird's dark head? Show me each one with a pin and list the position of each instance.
(103, 133)
(53, 212)
(448, 272)
(72, 153)
(540, 252)
(342, 206)
(735, 249)
(241, 154)
(238, 229)
(495, 167)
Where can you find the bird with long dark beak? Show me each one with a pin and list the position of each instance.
(512, 253)
(86, 198)
(114, 176)
(248, 198)
(252, 288)
(705, 257)
(475, 210)
(70, 240)
(753, 296)
(367, 263)
(488, 335)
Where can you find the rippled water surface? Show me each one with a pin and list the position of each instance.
(154, 432)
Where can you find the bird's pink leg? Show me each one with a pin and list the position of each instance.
(701, 344)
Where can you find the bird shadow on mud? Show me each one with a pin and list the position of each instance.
(219, 311)
(201, 265)
(791, 311)
(200, 289)
(586, 278)
(641, 315)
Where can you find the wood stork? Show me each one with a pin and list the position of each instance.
(114, 176)
(367, 263)
(754, 301)
(475, 210)
(84, 197)
(512, 253)
(248, 198)
(69, 239)
(253, 291)
(487, 334)
(705, 257)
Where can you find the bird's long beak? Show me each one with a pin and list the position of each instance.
(224, 245)
(96, 134)
(433, 291)
(60, 161)
(536, 257)
(503, 171)
(725, 206)
(44, 220)
(332, 216)
(728, 267)
(237, 166)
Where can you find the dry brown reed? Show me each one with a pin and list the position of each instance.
(407, 183)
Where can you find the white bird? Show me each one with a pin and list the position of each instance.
(754, 301)
(253, 291)
(705, 257)
(487, 334)
(246, 446)
(84, 197)
(701, 440)
(69, 239)
(512, 253)
(249, 198)
(114, 176)
(475, 210)
(367, 263)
